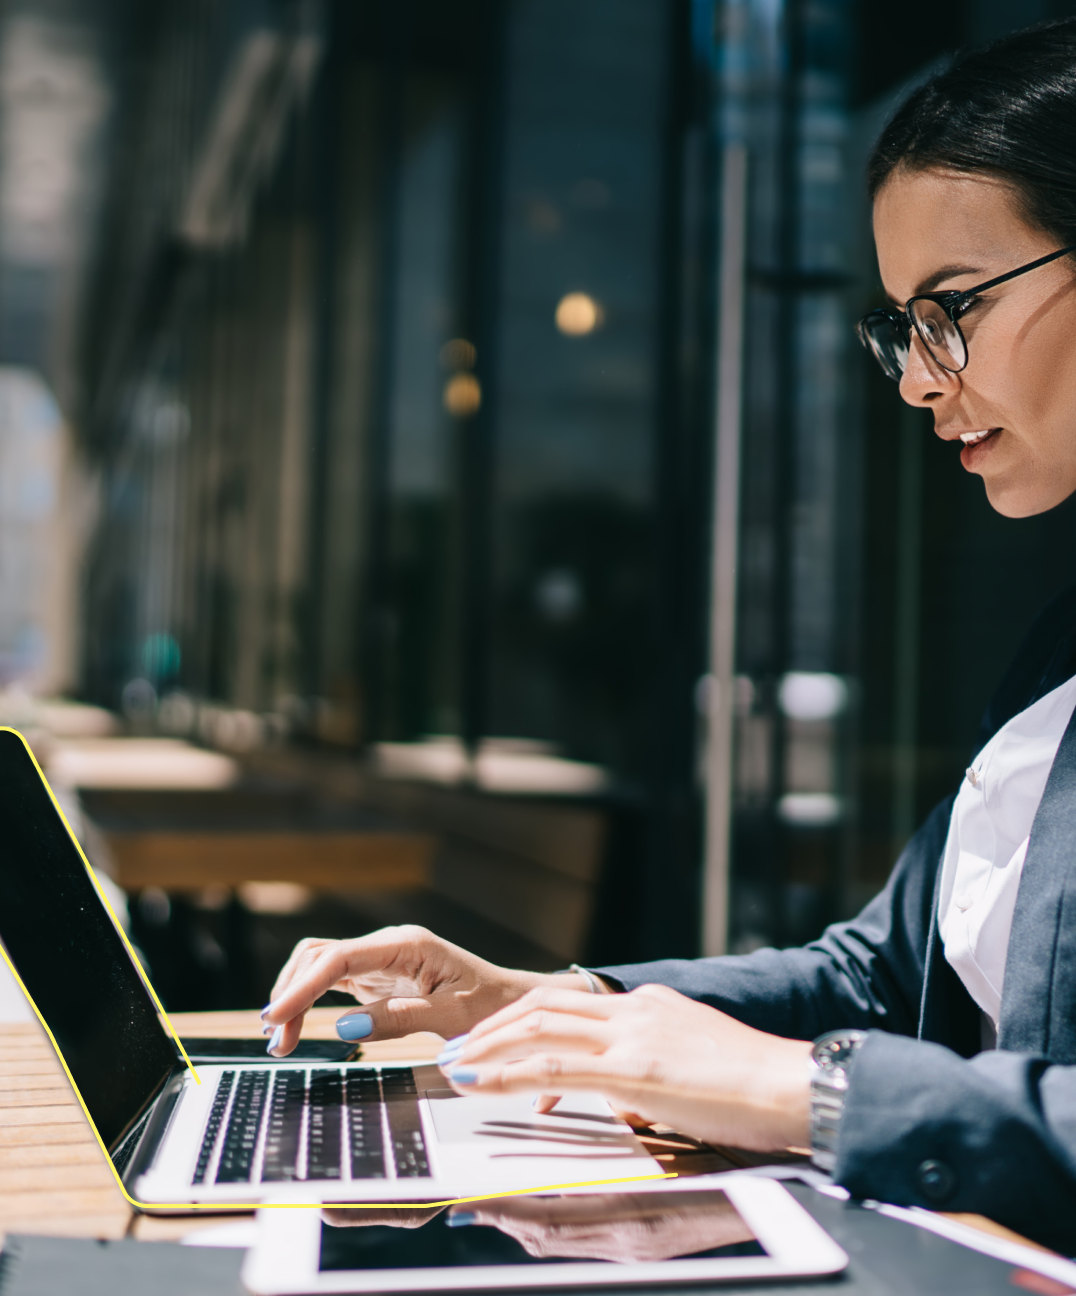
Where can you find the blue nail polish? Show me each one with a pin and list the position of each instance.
(463, 1076)
(267, 1009)
(448, 1056)
(460, 1219)
(268, 1030)
(278, 1035)
(355, 1027)
(459, 1040)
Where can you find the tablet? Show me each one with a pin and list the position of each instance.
(744, 1229)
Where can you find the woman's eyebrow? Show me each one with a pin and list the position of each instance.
(939, 276)
(946, 272)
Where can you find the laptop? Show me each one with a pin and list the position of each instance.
(304, 1131)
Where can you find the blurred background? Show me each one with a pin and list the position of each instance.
(439, 481)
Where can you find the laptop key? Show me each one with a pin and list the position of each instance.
(281, 1160)
(398, 1080)
(324, 1125)
(365, 1141)
(241, 1138)
(212, 1129)
(405, 1123)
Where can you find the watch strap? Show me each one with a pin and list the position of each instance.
(831, 1063)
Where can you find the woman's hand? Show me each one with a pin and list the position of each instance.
(624, 1228)
(628, 1228)
(653, 1052)
(407, 979)
(341, 1217)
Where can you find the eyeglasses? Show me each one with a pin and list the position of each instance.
(887, 333)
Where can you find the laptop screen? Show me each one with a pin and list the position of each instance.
(70, 956)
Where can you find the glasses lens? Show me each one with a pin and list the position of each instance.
(886, 341)
(943, 339)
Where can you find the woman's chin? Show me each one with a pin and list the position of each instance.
(1022, 498)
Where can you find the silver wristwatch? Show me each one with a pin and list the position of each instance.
(831, 1063)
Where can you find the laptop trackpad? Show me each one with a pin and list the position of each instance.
(580, 1126)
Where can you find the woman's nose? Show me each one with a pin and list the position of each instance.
(924, 382)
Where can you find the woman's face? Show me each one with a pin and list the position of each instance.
(938, 230)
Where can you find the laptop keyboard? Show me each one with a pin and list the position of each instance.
(329, 1124)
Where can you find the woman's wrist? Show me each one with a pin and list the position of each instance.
(775, 1090)
(570, 980)
(792, 1080)
(515, 984)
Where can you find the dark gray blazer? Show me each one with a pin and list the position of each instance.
(926, 1121)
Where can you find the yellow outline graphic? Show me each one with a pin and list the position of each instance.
(218, 1207)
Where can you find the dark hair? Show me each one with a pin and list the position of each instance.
(1008, 108)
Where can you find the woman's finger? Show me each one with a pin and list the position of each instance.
(545, 1103)
(341, 1217)
(330, 965)
(579, 1003)
(632, 1118)
(317, 971)
(284, 1037)
(549, 1072)
(553, 1210)
(539, 1031)
(443, 1013)
(306, 955)
(303, 952)
(401, 959)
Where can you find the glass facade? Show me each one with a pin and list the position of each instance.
(786, 98)
(398, 370)
(401, 405)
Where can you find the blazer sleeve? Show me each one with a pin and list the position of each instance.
(864, 973)
(994, 1135)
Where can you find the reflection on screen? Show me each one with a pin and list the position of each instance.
(627, 1228)
(70, 956)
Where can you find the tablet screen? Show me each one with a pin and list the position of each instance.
(531, 1230)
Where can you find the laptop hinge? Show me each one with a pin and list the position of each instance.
(148, 1134)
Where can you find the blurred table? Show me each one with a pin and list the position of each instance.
(352, 862)
(188, 839)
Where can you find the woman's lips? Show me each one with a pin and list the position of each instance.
(975, 446)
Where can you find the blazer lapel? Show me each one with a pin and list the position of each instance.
(947, 1013)
(1038, 1002)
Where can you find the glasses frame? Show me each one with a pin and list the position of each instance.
(953, 303)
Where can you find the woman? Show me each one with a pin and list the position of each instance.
(973, 941)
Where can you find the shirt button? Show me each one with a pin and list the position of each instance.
(937, 1182)
(963, 903)
(972, 776)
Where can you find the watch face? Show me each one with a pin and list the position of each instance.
(834, 1054)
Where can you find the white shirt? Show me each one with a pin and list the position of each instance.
(987, 843)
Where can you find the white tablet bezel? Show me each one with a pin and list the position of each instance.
(284, 1261)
